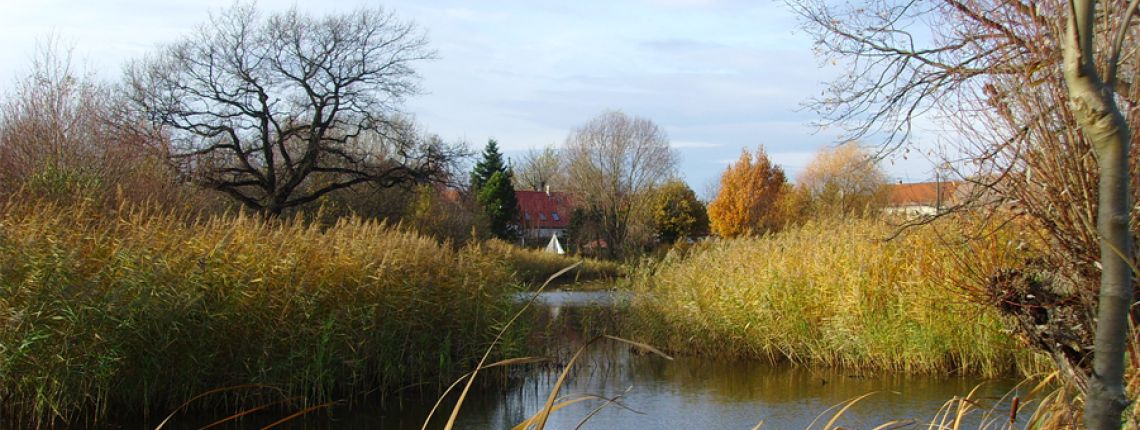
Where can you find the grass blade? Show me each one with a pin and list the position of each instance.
(297, 414)
(507, 362)
(641, 346)
(206, 394)
(467, 388)
(846, 405)
(244, 413)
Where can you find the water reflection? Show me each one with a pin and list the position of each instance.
(688, 392)
(702, 392)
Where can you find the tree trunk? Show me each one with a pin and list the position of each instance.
(1104, 125)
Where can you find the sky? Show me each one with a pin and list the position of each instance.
(717, 75)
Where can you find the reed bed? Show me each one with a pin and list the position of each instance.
(136, 311)
(835, 293)
(533, 266)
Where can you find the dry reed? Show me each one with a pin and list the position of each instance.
(135, 311)
(834, 293)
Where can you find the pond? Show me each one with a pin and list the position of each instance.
(651, 392)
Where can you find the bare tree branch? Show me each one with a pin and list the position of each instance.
(259, 105)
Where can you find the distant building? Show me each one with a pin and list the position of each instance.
(543, 214)
(921, 199)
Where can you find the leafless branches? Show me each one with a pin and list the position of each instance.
(613, 162)
(992, 71)
(539, 169)
(256, 106)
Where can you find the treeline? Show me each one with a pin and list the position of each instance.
(182, 133)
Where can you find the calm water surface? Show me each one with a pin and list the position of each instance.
(655, 393)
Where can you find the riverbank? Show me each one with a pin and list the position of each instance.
(534, 266)
(833, 293)
(136, 312)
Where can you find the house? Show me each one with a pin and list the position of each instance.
(922, 198)
(542, 214)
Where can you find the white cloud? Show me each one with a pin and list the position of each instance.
(719, 75)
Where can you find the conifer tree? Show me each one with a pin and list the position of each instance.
(491, 183)
(491, 162)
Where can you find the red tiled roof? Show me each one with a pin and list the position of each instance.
(450, 194)
(537, 209)
(922, 193)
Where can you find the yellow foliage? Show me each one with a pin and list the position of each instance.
(748, 202)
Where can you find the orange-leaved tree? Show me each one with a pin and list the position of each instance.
(748, 201)
(844, 180)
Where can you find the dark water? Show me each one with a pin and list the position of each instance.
(655, 393)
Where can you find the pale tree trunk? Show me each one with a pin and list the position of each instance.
(1102, 123)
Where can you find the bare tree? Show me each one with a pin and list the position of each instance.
(59, 138)
(1036, 108)
(539, 169)
(1092, 99)
(614, 161)
(256, 106)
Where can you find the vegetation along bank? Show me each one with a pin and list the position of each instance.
(140, 311)
(831, 292)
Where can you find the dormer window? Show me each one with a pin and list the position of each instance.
(541, 216)
(554, 216)
(526, 215)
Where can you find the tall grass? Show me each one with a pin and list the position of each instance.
(834, 293)
(138, 311)
(533, 266)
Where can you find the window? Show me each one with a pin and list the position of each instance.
(526, 215)
(541, 216)
(554, 216)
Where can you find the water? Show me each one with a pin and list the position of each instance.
(650, 392)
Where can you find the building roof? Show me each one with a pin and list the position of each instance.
(922, 193)
(539, 209)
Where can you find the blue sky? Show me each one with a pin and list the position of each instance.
(717, 75)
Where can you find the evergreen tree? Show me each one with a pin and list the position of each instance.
(491, 163)
(491, 182)
(497, 198)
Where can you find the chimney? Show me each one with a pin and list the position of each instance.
(547, 189)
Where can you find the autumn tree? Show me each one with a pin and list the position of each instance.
(614, 161)
(677, 213)
(749, 197)
(1032, 90)
(443, 213)
(60, 138)
(844, 180)
(258, 107)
